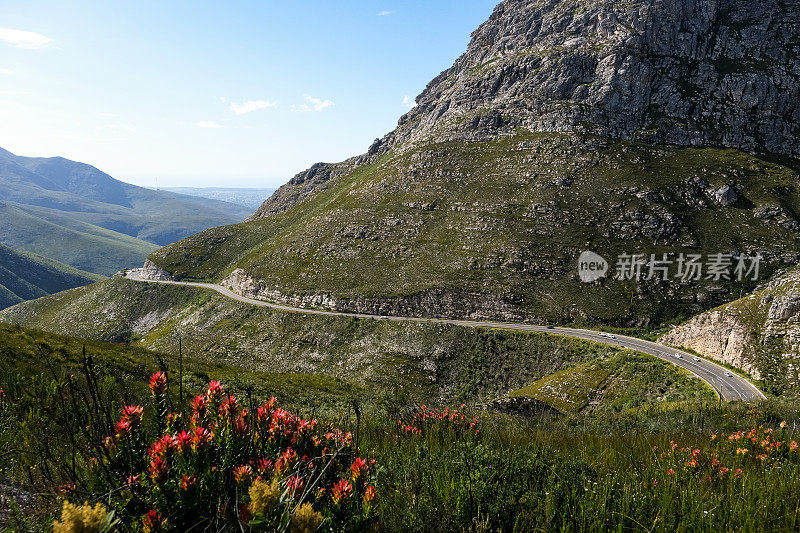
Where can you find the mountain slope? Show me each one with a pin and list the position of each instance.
(617, 127)
(49, 201)
(26, 276)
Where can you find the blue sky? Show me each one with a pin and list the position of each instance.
(218, 93)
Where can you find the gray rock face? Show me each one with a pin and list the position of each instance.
(686, 72)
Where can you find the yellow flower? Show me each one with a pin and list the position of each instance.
(81, 519)
(264, 497)
(306, 520)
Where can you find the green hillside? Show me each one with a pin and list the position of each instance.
(496, 227)
(25, 276)
(76, 214)
(416, 361)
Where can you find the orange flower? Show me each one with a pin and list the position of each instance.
(783, 424)
(158, 468)
(671, 472)
(341, 491)
(158, 383)
(187, 482)
(243, 473)
(793, 446)
(370, 494)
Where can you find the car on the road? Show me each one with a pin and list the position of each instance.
(695, 358)
(607, 335)
(728, 375)
(548, 327)
(384, 317)
(679, 356)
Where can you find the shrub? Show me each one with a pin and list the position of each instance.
(226, 466)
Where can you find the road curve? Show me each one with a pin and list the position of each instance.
(729, 386)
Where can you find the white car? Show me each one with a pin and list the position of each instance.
(728, 375)
(679, 356)
(607, 335)
(695, 358)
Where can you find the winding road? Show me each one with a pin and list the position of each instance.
(728, 385)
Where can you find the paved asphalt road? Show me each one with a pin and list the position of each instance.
(728, 385)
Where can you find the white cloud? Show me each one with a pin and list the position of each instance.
(109, 115)
(24, 39)
(124, 127)
(12, 93)
(250, 106)
(384, 13)
(208, 124)
(6, 72)
(313, 104)
(409, 102)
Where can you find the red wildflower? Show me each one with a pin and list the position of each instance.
(671, 472)
(158, 383)
(200, 438)
(286, 460)
(294, 484)
(132, 413)
(123, 428)
(199, 404)
(793, 446)
(229, 407)
(358, 467)
(264, 466)
(153, 521)
(341, 491)
(215, 390)
(738, 471)
(133, 480)
(183, 441)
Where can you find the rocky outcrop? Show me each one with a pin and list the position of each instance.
(718, 335)
(685, 72)
(151, 271)
(431, 303)
(759, 333)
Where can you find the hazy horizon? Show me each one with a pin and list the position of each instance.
(204, 94)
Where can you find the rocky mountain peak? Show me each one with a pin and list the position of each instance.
(686, 72)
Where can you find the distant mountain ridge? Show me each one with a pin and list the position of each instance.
(79, 215)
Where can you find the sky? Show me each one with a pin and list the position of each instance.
(230, 94)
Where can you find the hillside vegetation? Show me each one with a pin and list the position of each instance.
(494, 228)
(25, 276)
(422, 362)
(435, 469)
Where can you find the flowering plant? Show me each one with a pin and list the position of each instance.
(225, 466)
